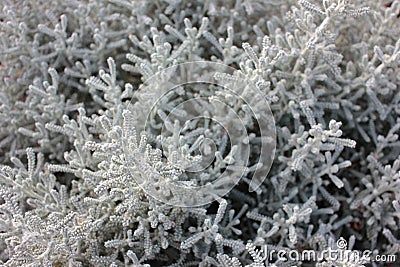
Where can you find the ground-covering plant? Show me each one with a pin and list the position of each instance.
(198, 133)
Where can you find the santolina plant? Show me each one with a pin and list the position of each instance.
(198, 133)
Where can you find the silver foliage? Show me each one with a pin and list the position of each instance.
(77, 161)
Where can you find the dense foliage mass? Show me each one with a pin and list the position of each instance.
(75, 156)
